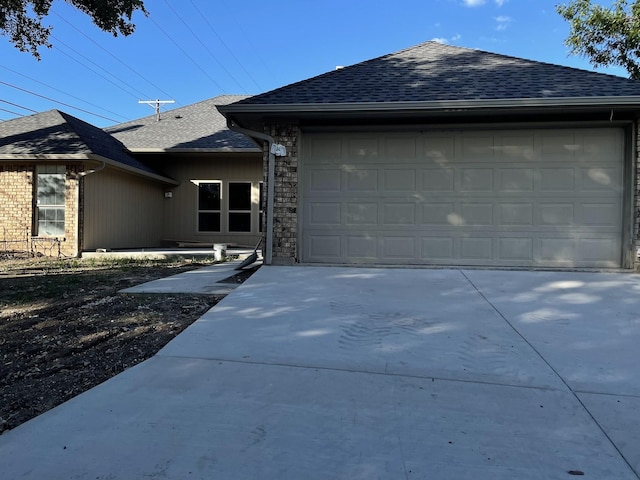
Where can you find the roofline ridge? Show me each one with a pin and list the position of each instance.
(153, 115)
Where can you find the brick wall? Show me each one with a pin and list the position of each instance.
(16, 193)
(16, 212)
(285, 213)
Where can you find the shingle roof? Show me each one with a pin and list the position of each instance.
(435, 72)
(60, 134)
(197, 126)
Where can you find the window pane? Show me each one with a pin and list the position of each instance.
(209, 221)
(239, 196)
(209, 196)
(51, 221)
(239, 222)
(51, 188)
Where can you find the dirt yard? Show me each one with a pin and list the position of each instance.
(64, 327)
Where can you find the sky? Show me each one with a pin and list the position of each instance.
(193, 50)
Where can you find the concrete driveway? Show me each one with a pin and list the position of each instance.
(357, 373)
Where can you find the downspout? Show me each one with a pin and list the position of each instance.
(271, 169)
(81, 176)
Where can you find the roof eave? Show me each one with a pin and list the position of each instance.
(195, 150)
(137, 171)
(74, 157)
(435, 105)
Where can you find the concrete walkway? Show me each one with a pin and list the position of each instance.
(347, 373)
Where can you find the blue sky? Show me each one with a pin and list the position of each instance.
(191, 50)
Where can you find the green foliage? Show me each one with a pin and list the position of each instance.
(606, 36)
(22, 20)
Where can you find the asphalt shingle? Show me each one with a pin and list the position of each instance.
(433, 71)
(58, 133)
(196, 126)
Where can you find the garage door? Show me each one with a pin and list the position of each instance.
(550, 198)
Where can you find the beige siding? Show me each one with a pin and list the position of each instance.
(180, 211)
(121, 211)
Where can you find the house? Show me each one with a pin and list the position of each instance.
(67, 186)
(219, 173)
(440, 155)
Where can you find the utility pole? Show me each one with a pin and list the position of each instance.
(156, 105)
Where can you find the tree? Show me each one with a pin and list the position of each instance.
(606, 36)
(21, 20)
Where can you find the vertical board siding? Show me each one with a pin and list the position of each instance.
(121, 211)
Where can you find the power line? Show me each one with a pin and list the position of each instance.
(98, 66)
(19, 106)
(186, 54)
(9, 111)
(205, 46)
(111, 54)
(225, 45)
(64, 93)
(247, 38)
(57, 101)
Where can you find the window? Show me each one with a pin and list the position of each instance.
(209, 200)
(50, 200)
(239, 206)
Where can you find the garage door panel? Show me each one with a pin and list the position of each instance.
(477, 249)
(362, 246)
(598, 251)
(399, 214)
(518, 249)
(360, 214)
(513, 180)
(557, 180)
(365, 147)
(399, 247)
(439, 213)
(399, 180)
(325, 246)
(362, 179)
(325, 213)
(324, 180)
(438, 180)
(476, 180)
(556, 214)
(600, 214)
(598, 179)
(477, 214)
(539, 198)
(439, 149)
(515, 214)
(400, 149)
(437, 249)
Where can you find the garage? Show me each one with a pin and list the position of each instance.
(546, 197)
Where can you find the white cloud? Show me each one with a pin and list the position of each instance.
(501, 2)
(474, 3)
(446, 41)
(503, 22)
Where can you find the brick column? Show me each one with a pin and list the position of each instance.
(285, 211)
